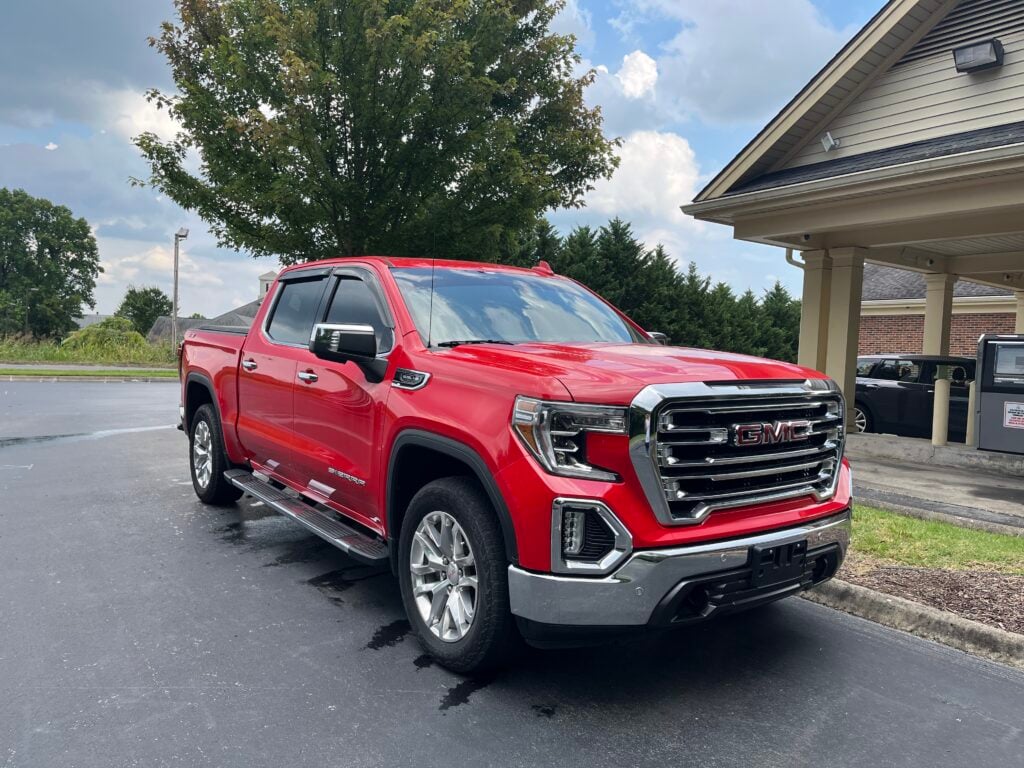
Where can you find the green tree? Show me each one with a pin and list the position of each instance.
(48, 265)
(143, 306)
(780, 324)
(649, 287)
(336, 127)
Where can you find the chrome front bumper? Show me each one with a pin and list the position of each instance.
(630, 595)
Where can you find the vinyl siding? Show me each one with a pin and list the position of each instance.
(925, 99)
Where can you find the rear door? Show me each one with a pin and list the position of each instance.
(267, 375)
(897, 398)
(339, 406)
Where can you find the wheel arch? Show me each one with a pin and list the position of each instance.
(198, 392)
(407, 473)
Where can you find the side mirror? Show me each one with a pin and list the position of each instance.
(659, 337)
(342, 343)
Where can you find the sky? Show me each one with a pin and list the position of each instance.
(684, 84)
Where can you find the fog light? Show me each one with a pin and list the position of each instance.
(574, 526)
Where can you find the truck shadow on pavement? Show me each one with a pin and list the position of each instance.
(685, 663)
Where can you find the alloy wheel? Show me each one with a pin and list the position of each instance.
(202, 454)
(444, 577)
(860, 420)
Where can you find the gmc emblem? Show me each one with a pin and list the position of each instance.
(770, 433)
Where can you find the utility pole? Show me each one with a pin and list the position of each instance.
(180, 235)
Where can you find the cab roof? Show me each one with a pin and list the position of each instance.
(413, 262)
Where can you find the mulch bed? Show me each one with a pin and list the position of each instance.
(996, 599)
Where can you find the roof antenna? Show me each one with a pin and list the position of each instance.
(430, 316)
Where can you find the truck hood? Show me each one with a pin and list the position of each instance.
(615, 373)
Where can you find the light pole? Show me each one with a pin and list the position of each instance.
(28, 294)
(180, 235)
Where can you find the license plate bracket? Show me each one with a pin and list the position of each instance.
(778, 563)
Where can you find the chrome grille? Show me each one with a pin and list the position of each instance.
(714, 447)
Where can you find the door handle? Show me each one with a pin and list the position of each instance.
(308, 376)
(249, 365)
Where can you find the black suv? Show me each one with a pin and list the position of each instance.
(895, 393)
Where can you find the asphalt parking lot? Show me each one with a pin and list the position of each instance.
(141, 628)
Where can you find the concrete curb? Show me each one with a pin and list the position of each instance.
(911, 451)
(922, 513)
(921, 620)
(101, 379)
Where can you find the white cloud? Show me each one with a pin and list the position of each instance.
(51, 146)
(657, 172)
(638, 75)
(208, 285)
(735, 60)
(574, 20)
(129, 114)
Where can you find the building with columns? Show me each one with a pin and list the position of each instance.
(893, 306)
(906, 151)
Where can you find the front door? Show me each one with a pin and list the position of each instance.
(267, 376)
(339, 407)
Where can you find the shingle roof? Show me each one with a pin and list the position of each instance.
(888, 283)
(983, 138)
(239, 317)
(86, 320)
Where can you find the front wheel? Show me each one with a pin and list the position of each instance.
(208, 460)
(454, 576)
(861, 419)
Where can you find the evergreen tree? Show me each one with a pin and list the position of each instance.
(649, 287)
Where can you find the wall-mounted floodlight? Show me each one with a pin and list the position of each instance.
(829, 142)
(978, 56)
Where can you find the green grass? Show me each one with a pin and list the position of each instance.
(16, 350)
(929, 544)
(157, 373)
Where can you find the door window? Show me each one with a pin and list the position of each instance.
(864, 367)
(898, 370)
(295, 311)
(354, 303)
(959, 374)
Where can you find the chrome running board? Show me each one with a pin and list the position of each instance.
(317, 518)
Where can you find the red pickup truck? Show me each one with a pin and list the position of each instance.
(529, 462)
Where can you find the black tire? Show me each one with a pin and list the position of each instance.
(216, 490)
(492, 638)
(868, 420)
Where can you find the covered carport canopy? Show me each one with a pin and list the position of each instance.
(891, 155)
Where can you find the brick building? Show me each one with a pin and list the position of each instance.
(893, 307)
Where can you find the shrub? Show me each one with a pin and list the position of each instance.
(112, 334)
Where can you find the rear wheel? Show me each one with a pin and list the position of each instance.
(454, 577)
(208, 460)
(862, 421)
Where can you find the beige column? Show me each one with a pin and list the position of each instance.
(814, 309)
(844, 320)
(1020, 311)
(938, 313)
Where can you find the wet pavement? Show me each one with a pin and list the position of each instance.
(142, 628)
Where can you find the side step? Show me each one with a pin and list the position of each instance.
(320, 520)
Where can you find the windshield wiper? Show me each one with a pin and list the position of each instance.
(457, 342)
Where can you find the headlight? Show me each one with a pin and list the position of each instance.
(556, 434)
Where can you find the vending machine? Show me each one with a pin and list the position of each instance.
(1000, 399)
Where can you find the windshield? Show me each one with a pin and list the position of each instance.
(480, 304)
